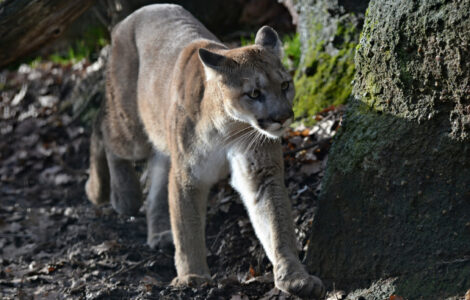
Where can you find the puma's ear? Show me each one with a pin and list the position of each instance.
(268, 38)
(211, 59)
(214, 63)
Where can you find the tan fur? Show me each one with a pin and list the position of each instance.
(181, 99)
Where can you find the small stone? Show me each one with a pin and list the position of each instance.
(48, 100)
(77, 283)
(68, 212)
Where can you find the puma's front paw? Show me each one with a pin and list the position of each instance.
(301, 284)
(191, 280)
(162, 240)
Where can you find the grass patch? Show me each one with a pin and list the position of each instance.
(86, 48)
(246, 41)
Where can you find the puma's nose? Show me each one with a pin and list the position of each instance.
(282, 118)
(279, 119)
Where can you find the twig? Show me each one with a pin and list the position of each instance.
(124, 269)
(327, 140)
(219, 234)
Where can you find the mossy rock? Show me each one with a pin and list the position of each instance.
(395, 202)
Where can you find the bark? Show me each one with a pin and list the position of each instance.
(395, 203)
(26, 25)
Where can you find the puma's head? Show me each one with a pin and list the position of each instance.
(251, 83)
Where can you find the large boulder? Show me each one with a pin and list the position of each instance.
(395, 203)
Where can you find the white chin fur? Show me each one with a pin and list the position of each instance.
(273, 134)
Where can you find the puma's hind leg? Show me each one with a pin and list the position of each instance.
(158, 214)
(112, 177)
(97, 187)
(126, 194)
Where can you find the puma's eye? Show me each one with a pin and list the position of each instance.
(285, 85)
(254, 94)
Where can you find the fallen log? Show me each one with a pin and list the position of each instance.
(25, 25)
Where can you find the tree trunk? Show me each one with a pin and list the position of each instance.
(25, 25)
(395, 202)
(329, 33)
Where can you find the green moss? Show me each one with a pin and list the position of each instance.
(292, 51)
(368, 29)
(324, 78)
(371, 93)
(326, 81)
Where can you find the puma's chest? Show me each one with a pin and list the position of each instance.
(211, 167)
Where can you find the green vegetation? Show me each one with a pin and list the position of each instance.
(246, 41)
(87, 48)
(325, 77)
(292, 51)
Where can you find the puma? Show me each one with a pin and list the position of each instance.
(198, 112)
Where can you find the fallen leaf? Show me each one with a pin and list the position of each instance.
(151, 281)
(328, 109)
(104, 247)
(48, 100)
(305, 132)
(252, 271)
(20, 96)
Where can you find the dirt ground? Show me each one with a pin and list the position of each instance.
(55, 244)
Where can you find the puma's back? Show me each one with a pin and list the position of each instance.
(145, 48)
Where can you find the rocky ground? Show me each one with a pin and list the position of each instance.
(54, 244)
